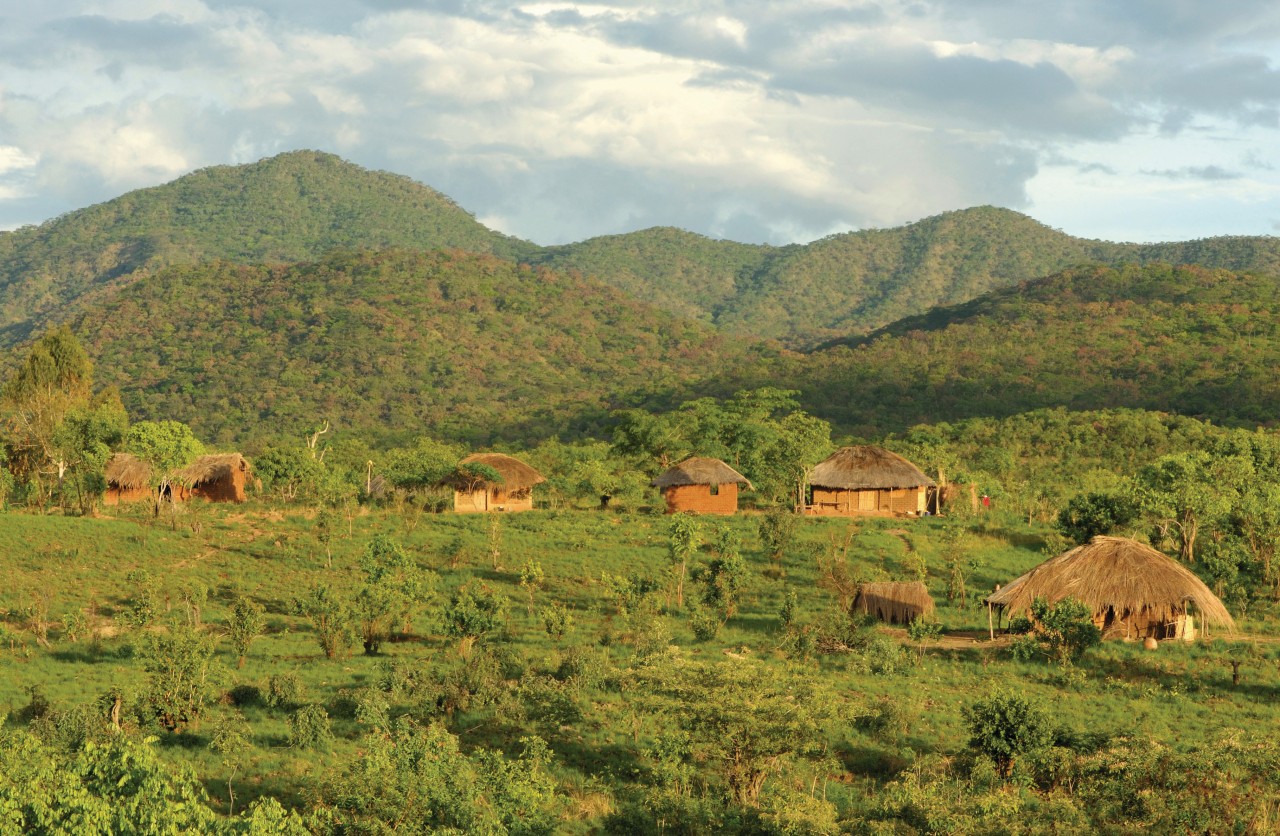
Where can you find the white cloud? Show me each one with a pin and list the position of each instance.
(559, 120)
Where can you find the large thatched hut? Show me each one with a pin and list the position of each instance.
(867, 480)
(512, 492)
(701, 485)
(218, 477)
(894, 602)
(1133, 591)
(128, 479)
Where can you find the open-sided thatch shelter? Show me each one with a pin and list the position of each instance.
(513, 491)
(701, 485)
(128, 479)
(867, 480)
(1133, 591)
(218, 477)
(896, 602)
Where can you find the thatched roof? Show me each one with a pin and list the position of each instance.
(211, 468)
(700, 470)
(896, 602)
(867, 468)
(515, 474)
(127, 472)
(1115, 573)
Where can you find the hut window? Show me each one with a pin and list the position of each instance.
(715, 490)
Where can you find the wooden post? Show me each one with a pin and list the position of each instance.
(990, 627)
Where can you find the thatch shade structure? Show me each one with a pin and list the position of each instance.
(896, 602)
(701, 485)
(868, 480)
(218, 477)
(1133, 590)
(128, 479)
(514, 491)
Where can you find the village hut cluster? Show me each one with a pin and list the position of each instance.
(220, 477)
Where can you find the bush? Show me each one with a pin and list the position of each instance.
(285, 690)
(309, 728)
(705, 624)
(1006, 727)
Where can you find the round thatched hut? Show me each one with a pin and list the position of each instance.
(898, 602)
(701, 485)
(128, 479)
(868, 480)
(513, 491)
(1133, 590)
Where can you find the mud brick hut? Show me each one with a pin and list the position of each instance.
(219, 477)
(868, 480)
(128, 479)
(702, 486)
(895, 603)
(512, 492)
(1132, 590)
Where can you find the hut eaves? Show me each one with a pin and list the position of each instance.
(865, 468)
(700, 470)
(516, 475)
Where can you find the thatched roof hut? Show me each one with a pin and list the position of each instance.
(868, 480)
(220, 477)
(514, 491)
(700, 470)
(126, 471)
(701, 485)
(128, 479)
(867, 467)
(894, 602)
(1132, 589)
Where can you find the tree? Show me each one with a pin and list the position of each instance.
(179, 664)
(394, 589)
(83, 442)
(331, 616)
(473, 611)
(166, 446)
(684, 540)
(1007, 727)
(1182, 492)
(55, 378)
(1064, 630)
(1090, 514)
(246, 624)
(725, 576)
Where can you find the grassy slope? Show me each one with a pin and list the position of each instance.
(1179, 696)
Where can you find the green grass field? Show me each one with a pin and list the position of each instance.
(890, 721)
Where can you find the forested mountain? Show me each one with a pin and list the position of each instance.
(293, 207)
(388, 344)
(1187, 340)
(300, 205)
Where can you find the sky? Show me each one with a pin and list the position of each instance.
(763, 121)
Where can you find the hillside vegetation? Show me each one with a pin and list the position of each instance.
(1186, 340)
(469, 347)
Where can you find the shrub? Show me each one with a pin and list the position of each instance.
(309, 728)
(285, 690)
(1006, 727)
(705, 624)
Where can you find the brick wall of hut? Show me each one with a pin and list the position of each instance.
(700, 499)
(117, 495)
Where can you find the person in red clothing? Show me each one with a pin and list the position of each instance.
(986, 502)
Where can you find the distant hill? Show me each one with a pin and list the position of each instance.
(292, 207)
(1185, 340)
(857, 281)
(300, 205)
(391, 345)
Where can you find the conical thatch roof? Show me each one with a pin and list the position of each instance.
(127, 472)
(211, 468)
(895, 602)
(867, 468)
(700, 470)
(515, 474)
(1115, 573)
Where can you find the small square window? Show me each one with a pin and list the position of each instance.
(715, 490)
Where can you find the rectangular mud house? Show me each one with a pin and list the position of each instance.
(702, 486)
(867, 480)
(219, 477)
(512, 491)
